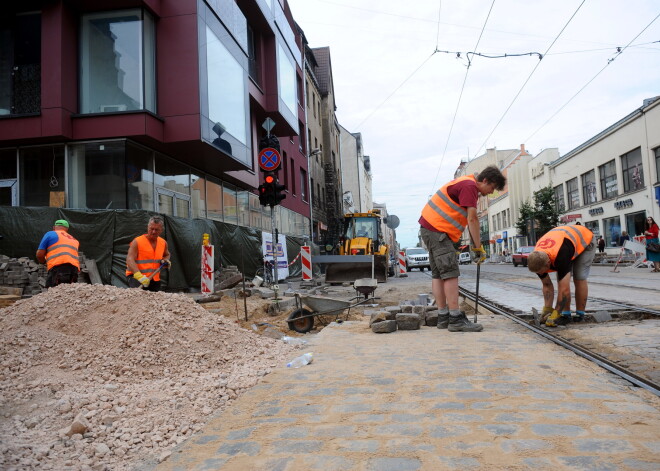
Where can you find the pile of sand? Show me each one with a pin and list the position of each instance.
(98, 377)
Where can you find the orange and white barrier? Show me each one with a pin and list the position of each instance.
(402, 264)
(207, 266)
(306, 262)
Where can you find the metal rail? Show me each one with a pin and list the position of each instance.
(578, 350)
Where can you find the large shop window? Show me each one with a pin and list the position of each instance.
(97, 175)
(573, 193)
(608, 184)
(20, 64)
(172, 183)
(611, 231)
(42, 176)
(593, 227)
(8, 178)
(656, 151)
(117, 62)
(633, 172)
(589, 187)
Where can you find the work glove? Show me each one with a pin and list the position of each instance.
(167, 263)
(547, 310)
(553, 319)
(141, 278)
(479, 254)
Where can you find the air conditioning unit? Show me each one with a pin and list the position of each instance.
(112, 108)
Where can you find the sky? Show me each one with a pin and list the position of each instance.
(405, 78)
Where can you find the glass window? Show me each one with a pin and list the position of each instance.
(227, 97)
(172, 184)
(253, 56)
(214, 198)
(633, 172)
(197, 199)
(243, 199)
(139, 177)
(303, 184)
(608, 183)
(657, 163)
(635, 223)
(573, 193)
(20, 64)
(7, 164)
(230, 203)
(255, 211)
(612, 230)
(593, 227)
(117, 62)
(286, 80)
(42, 176)
(559, 198)
(589, 187)
(97, 175)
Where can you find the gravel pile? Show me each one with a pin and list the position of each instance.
(98, 377)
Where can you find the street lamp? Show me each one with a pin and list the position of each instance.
(313, 153)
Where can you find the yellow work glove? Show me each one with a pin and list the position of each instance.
(551, 321)
(141, 278)
(167, 263)
(479, 254)
(547, 310)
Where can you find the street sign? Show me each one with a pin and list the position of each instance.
(269, 159)
(268, 125)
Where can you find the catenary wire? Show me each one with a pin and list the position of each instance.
(530, 76)
(609, 61)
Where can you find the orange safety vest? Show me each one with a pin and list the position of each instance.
(148, 259)
(445, 214)
(65, 250)
(552, 241)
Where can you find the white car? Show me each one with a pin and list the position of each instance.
(464, 257)
(417, 257)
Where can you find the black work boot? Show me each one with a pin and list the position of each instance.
(443, 321)
(462, 324)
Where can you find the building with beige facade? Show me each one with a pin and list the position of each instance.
(356, 173)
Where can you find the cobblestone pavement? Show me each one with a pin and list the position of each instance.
(428, 400)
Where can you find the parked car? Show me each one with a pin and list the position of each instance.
(417, 257)
(519, 257)
(464, 257)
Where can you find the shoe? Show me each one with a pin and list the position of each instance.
(557, 319)
(443, 321)
(462, 324)
(578, 318)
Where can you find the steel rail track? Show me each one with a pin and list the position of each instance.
(577, 349)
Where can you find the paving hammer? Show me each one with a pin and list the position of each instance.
(476, 296)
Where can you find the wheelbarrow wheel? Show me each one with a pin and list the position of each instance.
(299, 323)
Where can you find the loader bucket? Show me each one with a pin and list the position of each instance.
(350, 270)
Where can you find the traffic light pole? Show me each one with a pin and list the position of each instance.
(274, 244)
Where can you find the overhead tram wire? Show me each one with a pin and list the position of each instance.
(530, 76)
(460, 96)
(609, 61)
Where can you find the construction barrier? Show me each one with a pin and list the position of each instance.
(207, 266)
(402, 264)
(306, 262)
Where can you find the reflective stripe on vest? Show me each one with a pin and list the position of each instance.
(148, 259)
(445, 214)
(552, 241)
(65, 250)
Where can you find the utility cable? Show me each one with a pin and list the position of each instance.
(529, 77)
(437, 36)
(458, 104)
(609, 61)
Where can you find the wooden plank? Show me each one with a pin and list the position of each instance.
(93, 272)
(8, 299)
(11, 290)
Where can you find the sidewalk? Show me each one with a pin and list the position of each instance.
(428, 400)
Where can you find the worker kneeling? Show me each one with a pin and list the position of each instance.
(145, 256)
(568, 250)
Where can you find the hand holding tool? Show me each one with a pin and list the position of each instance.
(479, 254)
(141, 278)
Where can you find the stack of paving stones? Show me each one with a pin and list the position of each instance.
(31, 276)
(226, 278)
(403, 317)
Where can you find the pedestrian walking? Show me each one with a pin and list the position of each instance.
(601, 244)
(651, 233)
(443, 220)
(568, 250)
(59, 251)
(145, 255)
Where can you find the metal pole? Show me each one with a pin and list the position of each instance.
(476, 296)
(274, 244)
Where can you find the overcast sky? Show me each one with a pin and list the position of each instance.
(403, 97)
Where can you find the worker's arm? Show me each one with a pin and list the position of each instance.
(548, 290)
(473, 227)
(41, 255)
(131, 265)
(166, 256)
(564, 293)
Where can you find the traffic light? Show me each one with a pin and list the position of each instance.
(267, 190)
(278, 189)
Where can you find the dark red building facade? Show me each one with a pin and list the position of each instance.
(152, 104)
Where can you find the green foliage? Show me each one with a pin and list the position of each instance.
(526, 213)
(543, 213)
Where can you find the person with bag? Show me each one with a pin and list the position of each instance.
(651, 233)
(448, 212)
(59, 251)
(568, 250)
(145, 255)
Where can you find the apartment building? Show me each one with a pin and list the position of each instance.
(153, 105)
(356, 173)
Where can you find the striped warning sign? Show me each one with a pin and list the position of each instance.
(402, 264)
(306, 262)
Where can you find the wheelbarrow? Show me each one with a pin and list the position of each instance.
(301, 319)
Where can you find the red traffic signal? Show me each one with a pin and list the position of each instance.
(270, 191)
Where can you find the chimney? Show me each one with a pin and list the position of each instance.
(522, 149)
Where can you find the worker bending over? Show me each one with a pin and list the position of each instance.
(59, 251)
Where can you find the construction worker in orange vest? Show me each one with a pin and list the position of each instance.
(443, 220)
(566, 250)
(145, 256)
(59, 251)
